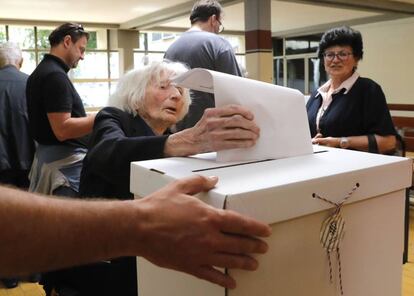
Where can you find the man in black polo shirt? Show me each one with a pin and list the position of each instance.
(57, 117)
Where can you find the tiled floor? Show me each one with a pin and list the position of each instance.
(23, 289)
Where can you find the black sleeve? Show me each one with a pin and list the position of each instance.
(312, 107)
(20, 137)
(377, 118)
(111, 150)
(57, 93)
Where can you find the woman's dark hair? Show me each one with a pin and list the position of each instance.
(75, 31)
(342, 36)
(204, 9)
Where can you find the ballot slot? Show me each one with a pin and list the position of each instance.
(229, 165)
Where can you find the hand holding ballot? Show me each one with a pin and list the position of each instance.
(279, 112)
(227, 127)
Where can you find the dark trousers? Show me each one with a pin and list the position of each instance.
(18, 178)
(101, 279)
(65, 191)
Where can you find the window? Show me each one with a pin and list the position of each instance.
(160, 36)
(278, 72)
(277, 46)
(93, 94)
(156, 36)
(94, 66)
(153, 45)
(295, 63)
(114, 64)
(237, 42)
(3, 36)
(94, 75)
(22, 35)
(140, 60)
(241, 61)
(43, 37)
(42, 42)
(304, 44)
(296, 74)
(142, 41)
(168, 35)
(98, 39)
(41, 55)
(317, 74)
(153, 57)
(160, 41)
(95, 78)
(90, 79)
(29, 62)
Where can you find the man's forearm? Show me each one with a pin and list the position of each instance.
(170, 228)
(78, 127)
(65, 127)
(60, 232)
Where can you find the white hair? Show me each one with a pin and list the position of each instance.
(10, 54)
(131, 89)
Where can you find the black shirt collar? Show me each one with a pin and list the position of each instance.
(342, 91)
(60, 62)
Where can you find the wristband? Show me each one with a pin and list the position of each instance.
(372, 144)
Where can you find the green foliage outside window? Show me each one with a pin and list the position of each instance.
(92, 43)
(2, 34)
(43, 38)
(23, 35)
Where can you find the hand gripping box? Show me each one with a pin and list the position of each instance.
(287, 193)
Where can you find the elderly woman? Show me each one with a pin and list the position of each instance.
(349, 111)
(145, 105)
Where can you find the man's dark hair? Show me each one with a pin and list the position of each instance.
(342, 36)
(204, 9)
(75, 31)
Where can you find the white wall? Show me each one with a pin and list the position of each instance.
(389, 58)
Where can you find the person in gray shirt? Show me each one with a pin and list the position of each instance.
(201, 47)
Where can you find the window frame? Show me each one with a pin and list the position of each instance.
(172, 35)
(285, 57)
(39, 51)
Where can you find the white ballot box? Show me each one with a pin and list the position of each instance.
(285, 193)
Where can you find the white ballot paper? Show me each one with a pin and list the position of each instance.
(279, 112)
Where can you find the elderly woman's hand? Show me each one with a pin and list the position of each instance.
(227, 127)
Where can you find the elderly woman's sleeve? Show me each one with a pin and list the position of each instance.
(111, 149)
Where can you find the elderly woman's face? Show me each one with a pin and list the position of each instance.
(339, 61)
(163, 102)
